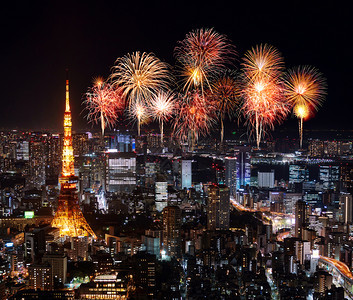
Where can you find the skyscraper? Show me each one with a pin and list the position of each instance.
(300, 217)
(68, 217)
(298, 173)
(171, 231)
(218, 207)
(161, 195)
(243, 167)
(346, 207)
(186, 174)
(231, 174)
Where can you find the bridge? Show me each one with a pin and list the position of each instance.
(340, 272)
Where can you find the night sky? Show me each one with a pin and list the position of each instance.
(41, 39)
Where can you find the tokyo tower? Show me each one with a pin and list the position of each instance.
(68, 217)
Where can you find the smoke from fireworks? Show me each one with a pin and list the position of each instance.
(305, 89)
(194, 118)
(202, 54)
(162, 107)
(104, 103)
(262, 90)
(140, 76)
(225, 94)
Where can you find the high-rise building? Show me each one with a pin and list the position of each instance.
(266, 179)
(346, 207)
(171, 231)
(58, 263)
(300, 217)
(186, 174)
(316, 148)
(122, 141)
(69, 217)
(329, 176)
(298, 173)
(230, 165)
(161, 199)
(243, 167)
(120, 171)
(37, 162)
(218, 207)
(40, 277)
(22, 150)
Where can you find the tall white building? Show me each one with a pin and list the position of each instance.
(161, 195)
(231, 174)
(266, 179)
(346, 204)
(186, 174)
(120, 171)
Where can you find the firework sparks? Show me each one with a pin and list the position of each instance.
(138, 111)
(225, 93)
(104, 104)
(262, 61)
(305, 89)
(203, 54)
(262, 90)
(162, 107)
(140, 76)
(194, 118)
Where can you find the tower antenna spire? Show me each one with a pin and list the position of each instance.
(67, 107)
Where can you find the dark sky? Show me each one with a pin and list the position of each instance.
(41, 39)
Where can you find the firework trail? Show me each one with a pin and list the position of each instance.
(195, 115)
(202, 55)
(104, 104)
(305, 88)
(262, 90)
(162, 107)
(225, 93)
(140, 76)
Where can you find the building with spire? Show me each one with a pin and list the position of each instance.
(68, 217)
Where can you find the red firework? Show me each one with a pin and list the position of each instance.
(195, 115)
(104, 104)
(202, 54)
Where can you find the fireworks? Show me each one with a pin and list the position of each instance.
(139, 112)
(140, 76)
(162, 108)
(104, 104)
(305, 89)
(262, 90)
(195, 116)
(225, 93)
(203, 54)
(263, 61)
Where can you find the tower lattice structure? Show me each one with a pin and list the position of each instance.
(68, 217)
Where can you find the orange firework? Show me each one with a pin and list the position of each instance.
(225, 94)
(104, 104)
(203, 54)
(140, 76)
(162, 107)
(305, 89)
(262, 61)
(195, 114)
(264, 103)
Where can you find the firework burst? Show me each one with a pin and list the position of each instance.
(263, 61)
(225, 93)
(140, 76)
(104, 104)
(195, 115)
(139, 112)
(201, 55)
(162, 107)
(305, 89)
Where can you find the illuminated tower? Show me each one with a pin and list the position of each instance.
(68, 217)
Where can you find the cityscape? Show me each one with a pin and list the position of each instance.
(208, 171)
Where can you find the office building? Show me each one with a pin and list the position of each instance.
(171, 231)
(298, 174)
(230, 165)
(300, 217)
(218, 207)
(58, 263)
(40, 277)
(266, 179)
(329, 176)
(186, 174)
(120, 171)
(346, 207)
(243, 167)
(161, 198)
